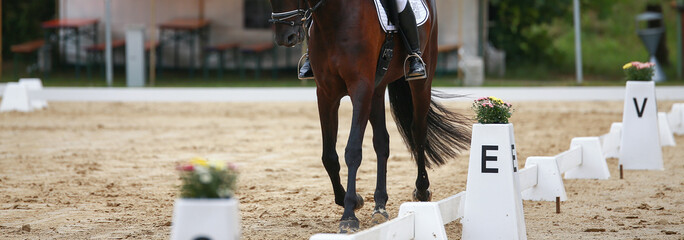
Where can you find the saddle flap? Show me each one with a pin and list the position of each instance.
(420, 10)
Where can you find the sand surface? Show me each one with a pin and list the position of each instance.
(107, 171)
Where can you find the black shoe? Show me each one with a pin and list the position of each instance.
(305, 73)
(416, 68)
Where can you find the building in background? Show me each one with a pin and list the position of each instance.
(246, 21)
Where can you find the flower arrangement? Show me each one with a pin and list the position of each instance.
(204, 178)
(492, 110)
(639, 71)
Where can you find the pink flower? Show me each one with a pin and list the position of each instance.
(640, 65)
(233, 166)
(185, 167)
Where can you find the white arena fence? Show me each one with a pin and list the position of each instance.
(669, 124)
(540, 180)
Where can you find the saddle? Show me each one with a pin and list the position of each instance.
(420, 10)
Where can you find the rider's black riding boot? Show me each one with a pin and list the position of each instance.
(409, 28)
(305, 72)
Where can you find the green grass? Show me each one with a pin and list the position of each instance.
(608, 42)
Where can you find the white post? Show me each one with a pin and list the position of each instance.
(206, 219)
(640, 142)
(135, 56)
(493, 204)
(15, 98)
(108, 42)
(578, 42)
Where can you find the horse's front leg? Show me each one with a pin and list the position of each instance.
(328, 107)
(381, 145)
(361, 94)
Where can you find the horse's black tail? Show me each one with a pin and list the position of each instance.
(448, 133)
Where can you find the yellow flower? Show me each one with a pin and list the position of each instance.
(496, 100)
(626, 66)
(199, 161)
(218, 164)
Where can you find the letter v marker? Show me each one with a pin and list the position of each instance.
(643, 107)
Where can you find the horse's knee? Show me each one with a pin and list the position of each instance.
(331, 162)
(352, 156)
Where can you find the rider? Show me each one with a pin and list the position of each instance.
(408, 28)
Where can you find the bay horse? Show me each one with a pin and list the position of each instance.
(344, 45)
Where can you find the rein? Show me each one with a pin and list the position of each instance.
(303, 16)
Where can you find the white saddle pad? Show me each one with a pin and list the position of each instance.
(419, 7)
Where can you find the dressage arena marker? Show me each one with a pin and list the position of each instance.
(584, 160)
(16, 96)
(666, 125)
(493, 188)
(676, 118)
(611, 141)
(206, 219)
(666, 136)
(34, 85)
(640, 142)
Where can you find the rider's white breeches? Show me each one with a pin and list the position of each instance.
(401, 5)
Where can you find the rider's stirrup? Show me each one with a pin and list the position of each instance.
(416, 67)
(305, 71)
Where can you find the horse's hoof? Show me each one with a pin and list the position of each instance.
(427, 197)
(349, 226)
(359, 202)
(379, 216)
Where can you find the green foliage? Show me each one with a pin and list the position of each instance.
(207, 179)
(518, 28)
(492, 110)
(637, 71)
(609, 38)
(22, 19)
(608, 34)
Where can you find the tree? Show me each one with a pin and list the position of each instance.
(516, 26)
(21, 21)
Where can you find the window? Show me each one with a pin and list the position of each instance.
(257, 14)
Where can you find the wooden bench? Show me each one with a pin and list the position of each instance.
(220, 50)
(25, 48)
(443, 53)
(95, 53)
(28, 47)
(258, 51)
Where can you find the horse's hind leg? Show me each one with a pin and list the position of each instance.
(328, 112)
(421, 104)
(381, 145)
